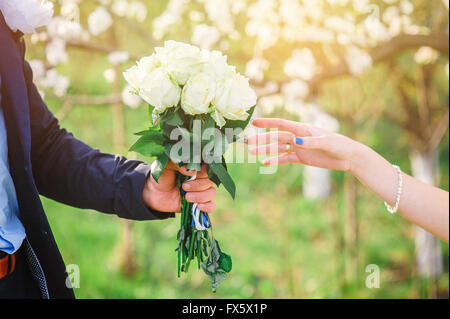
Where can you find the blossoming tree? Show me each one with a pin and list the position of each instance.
(293, 50)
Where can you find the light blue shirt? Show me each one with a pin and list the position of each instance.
(12, 232)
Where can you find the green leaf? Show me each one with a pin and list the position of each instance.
(224, 177)
(216, 265)
(194, 167)
(149, 145)
(212, 176)
(150, 112)
(225, 262)
(159, 165)
(219, 119)
(217, 278)
(172, 118)
(154, 132)
(141, 133)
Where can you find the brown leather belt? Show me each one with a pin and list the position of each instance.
(7, 264)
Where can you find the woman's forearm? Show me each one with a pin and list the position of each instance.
(420, 203)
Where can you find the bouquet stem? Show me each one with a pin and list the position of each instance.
(194, 243)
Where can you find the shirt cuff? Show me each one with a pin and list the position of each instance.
(128, 201)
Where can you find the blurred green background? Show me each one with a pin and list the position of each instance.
(282, 245)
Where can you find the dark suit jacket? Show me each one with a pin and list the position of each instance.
(46, 159)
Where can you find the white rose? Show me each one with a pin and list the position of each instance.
(137, 73)
(130, 99)
(198, 94)
(134, 78)
(181, 60)
(218, 66)
(159, 90)
(26, 15)
(234, 97)
(148, 64)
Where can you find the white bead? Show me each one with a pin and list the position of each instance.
(394, 209)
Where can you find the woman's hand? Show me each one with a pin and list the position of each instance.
(424, 205)
(305, 144)
(164, 195)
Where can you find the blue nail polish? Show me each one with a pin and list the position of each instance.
(250, 122)
(298, 141)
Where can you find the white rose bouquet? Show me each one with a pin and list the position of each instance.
(198, 105)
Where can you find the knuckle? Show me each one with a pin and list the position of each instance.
(190, 197)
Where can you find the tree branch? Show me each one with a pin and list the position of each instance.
(383, 52)
(387, 51)
(439, 131)
(94, 47)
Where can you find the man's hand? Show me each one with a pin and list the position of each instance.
(164, 195)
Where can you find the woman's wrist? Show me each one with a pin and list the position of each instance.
(360, 157)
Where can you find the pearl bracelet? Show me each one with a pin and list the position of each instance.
(394, 209)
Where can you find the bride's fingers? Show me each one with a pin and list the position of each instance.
(282, 124)
(271, 149)
(282, 159)
(323, 143)
(270, 138)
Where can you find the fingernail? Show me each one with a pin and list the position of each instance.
(298, 141)
(185, 187)
(250, 122)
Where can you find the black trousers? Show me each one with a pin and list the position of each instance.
(19, 284)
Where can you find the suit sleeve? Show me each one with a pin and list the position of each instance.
(69, 171)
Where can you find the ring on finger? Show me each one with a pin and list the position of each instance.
(288, 148)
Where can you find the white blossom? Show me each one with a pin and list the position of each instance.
(255, 68)
(55, 81)
(171, 16)
(358, 60)
(38, 68)
(99, 21)
(426, 55)
(56, 52)
(64, 29)
(120, 7)
(269, 103)
(295, 89)
(301, 64)
(110, 75)
(118, 57)
(205, 36)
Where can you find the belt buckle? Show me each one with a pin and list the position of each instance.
(7, 265)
